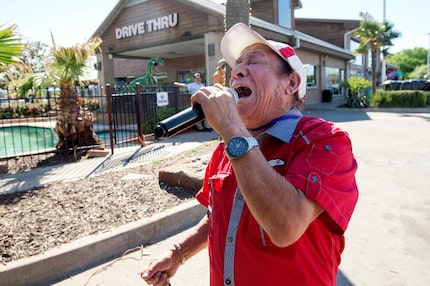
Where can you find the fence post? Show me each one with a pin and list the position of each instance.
(109, 107)
(176, 98)
(139, 116)
(48, 97)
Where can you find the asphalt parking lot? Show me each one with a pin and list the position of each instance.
(388, 239)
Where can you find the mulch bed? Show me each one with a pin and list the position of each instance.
(44, 218)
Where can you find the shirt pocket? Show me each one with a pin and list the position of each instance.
(222, 187)
(324, 158)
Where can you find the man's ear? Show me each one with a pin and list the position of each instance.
(293, 83)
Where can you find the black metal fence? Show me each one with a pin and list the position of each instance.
(121, 118)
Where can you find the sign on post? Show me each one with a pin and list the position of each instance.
(162, 98)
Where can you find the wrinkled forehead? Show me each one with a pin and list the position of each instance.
(257, 50)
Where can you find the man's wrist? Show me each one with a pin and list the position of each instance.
(178, 250)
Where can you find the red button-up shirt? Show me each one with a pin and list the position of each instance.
(317, 160)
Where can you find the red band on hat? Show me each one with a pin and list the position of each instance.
(287, 52)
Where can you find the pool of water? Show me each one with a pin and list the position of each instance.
(119, 135)
(15, 140)
(24, 139)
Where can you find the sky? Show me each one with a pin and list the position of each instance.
(74, 22)
(71, 22)
(409, 17)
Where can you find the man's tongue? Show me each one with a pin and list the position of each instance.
(243, 92)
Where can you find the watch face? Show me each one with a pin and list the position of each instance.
(237, 147)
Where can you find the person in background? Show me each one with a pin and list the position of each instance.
(219, 75)
(280, 188)
(192, 88)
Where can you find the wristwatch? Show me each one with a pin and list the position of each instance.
(239, 146)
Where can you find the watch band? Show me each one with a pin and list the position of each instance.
(251, 142)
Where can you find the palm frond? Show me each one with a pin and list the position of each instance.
(72, 61)
(10, 45)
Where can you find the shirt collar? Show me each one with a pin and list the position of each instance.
(283, 130)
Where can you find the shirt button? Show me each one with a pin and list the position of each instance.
(229, 239)
(327, 147)
(314, 179)
(240, 197)
(227, 281)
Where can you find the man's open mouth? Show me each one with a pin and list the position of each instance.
(243, 91)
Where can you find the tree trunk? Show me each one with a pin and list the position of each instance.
(75, 124)
(374, 75)
(237, 11)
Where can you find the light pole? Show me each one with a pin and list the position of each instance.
(383, 11)
(383, 62)
(428, 58)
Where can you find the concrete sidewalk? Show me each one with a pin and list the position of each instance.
(123, 158)
(387, 241)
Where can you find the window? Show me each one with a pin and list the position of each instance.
(284, 13)
(311, 76)
(332, 79)
(359, 57)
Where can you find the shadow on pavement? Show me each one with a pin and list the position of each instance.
(342, 280)
(421, 116)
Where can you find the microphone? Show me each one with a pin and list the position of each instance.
(184, 119)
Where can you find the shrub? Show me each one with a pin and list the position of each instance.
(90, 104)
(359, 88)
(400, 98)
(161, 114)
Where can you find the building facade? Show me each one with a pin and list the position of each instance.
(186, 34)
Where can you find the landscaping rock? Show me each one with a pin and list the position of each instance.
(187, 174)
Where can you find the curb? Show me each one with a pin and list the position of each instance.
(77, 256)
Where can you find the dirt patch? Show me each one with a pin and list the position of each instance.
(44, 218)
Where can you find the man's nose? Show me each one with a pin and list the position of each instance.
(238, 71)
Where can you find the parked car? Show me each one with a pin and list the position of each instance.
(411, 84)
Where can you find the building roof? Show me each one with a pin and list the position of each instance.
(210, 7)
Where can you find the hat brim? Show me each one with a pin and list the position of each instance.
(241, 36)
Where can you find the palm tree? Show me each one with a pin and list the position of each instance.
(10, 45)
(11, 49)
(75, 124)
(373, 36)
(237, 11)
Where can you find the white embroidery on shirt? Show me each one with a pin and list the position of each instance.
(276, 162)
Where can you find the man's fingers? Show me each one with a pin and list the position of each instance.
(159, 279)
(150, 274)
(152, 279)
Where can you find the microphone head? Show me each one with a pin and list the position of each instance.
(234, 93)
(160, 131)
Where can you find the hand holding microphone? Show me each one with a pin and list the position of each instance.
(184, 119)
